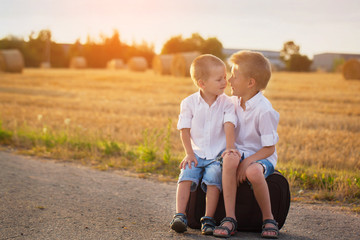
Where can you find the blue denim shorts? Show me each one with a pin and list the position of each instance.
(268, 167)
(208, 170)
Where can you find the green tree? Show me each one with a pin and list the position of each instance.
(38, 48)
(294, 61)
(173, 45)
(98, 54)
(289, 49)
(299, 63)
(195, 43)
(213, 46)
(337, 64)
(11, 42)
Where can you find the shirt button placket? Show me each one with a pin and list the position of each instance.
(208, 119)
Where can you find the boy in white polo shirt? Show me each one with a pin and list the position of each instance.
(206, 123)
(255, 139)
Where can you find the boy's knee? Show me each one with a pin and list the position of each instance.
(230, 162)
(254, 172)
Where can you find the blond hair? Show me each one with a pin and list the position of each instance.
(253, 65)
(200, 67)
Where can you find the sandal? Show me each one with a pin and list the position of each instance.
(230, 232)
(208, 225)
(274, 229)
(179, 223)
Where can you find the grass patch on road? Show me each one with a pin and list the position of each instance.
(151, 155)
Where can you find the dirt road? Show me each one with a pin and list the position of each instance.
(44, 199)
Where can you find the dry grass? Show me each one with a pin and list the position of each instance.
(319, 119)
(116, 104)
(319, 114)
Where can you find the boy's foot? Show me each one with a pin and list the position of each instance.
(270, 229)
(227, 228)
(208, 225)
(179, 223)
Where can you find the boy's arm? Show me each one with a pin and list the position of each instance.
(190, 155)
(263, 153)
(229, 127)
(230, 139)
(230, 135)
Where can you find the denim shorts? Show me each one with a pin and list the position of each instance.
(268, 167)
(208, 170)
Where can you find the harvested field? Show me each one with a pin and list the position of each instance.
(319, 119)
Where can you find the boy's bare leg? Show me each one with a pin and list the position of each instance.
(212, 198)
(255, 175)
(182, 196)
(230, 165)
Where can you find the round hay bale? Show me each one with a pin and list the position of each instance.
(351, 69)
(78, 62)
(180, 66)
(115, 64)
(138, 64)
(162, 64)
(45, 65)
(11, 60)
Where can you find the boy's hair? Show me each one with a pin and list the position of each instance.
(253, 65)
(200, 67)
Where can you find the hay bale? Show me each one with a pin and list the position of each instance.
(351, 69)
(161, 64)
(115, 64)
(138, 64)
(78, 62)
(11, 60)
(180, 65)
(45, 65)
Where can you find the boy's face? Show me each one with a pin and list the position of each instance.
(238, 81)
(216, 83)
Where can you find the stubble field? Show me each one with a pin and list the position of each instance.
(122, 119)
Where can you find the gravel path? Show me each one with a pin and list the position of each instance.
(45, 199)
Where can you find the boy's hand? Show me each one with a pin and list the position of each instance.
(231, 150)
(241, 171)
(188, 159)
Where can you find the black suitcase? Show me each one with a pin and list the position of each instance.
(247, 210)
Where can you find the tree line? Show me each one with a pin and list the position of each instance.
(41, 48)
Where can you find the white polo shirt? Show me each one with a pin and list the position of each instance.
(257, 126)
(206, 123)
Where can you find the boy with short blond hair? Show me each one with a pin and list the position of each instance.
(256, 136)
(206, 123)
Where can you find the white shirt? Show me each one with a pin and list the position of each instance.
(206, 123)
(257, 126)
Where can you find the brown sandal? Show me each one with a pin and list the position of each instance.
(208, 225)
(274, 229)
(230, 232)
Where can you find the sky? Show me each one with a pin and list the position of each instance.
(317, 26)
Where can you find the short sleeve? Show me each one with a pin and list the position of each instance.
(229, 111)
(185, 115)
(268, 123)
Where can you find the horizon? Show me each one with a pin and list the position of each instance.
(317, 27)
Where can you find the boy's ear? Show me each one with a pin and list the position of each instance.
(252, 82)
(201, 83)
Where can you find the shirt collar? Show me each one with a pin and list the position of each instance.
(252, 102)
(200, 99)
